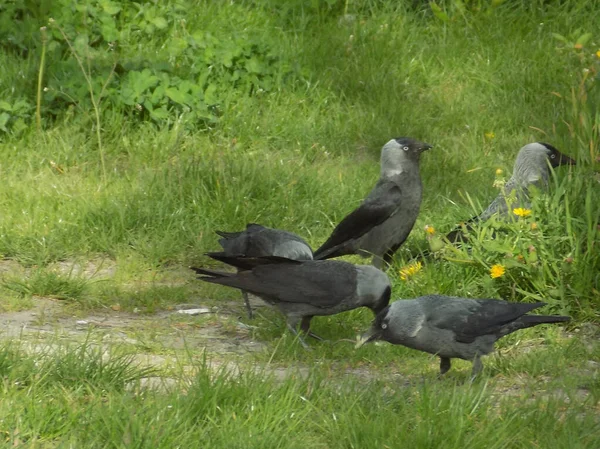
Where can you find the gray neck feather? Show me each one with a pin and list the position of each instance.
(531, 166)
(395, 161)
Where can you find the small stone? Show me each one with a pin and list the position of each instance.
(194, 311)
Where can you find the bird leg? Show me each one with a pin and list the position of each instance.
(247, 303)
(305, 327)
(445, 364)
(377, 262)
(477, 366)
(291, 325)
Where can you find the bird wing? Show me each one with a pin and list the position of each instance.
(472, 318)
(381, 204)
(316, 283)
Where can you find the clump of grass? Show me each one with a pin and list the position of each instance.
(48, 283)
(71, 366)
(252, 408)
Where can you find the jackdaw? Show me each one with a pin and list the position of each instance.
(303, 289)
(530, 169)
(385, 218)
(453, 327)
(257, 241)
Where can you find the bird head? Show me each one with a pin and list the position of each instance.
(398, 153)
(555, 157)
(378, 329)
(532, 162)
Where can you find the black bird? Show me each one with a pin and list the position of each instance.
(385, 218)
(257, 241)
(303, 289)
(453, 327)
(530, 169)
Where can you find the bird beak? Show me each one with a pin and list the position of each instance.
(370, 335)
(562, 159)
(566, 160)
(426, 147)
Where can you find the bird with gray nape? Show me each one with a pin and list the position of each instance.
(304, 289)
(385, 218)
(530, 169)
(452, 327)
(257, 240)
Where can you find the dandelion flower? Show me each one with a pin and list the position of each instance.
(521, 212)
(410, 270)
(499, 172)
(490, 135)
(497, 271)
(598, 53)
(429, 229)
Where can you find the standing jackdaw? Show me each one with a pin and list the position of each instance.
(257, 241)
(385, 218)
(530, 169)
(453, 327)
(303, 289)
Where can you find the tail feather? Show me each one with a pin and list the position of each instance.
(228, 235)
(248, 263)
(211, 273)
(329, 253)
(534, 320)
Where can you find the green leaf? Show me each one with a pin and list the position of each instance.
(159, 114)
(177, 95)
(109, 7)
(560, 37)
(160, 22)
(5, 106)
(438, 12)
(253, 65)
(81, 44)
(210, 94)
(497, 247)
(4, 117)
(460, 6)
(108, 30)
(584, 38)
(19, 126)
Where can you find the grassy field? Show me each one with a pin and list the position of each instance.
(106, 211)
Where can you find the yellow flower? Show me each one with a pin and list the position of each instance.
(521, 212)
(429, 229)
(534, 226)
(497, 271)
(410, 270)
(499, 172)
(490, 135)
(598, 53)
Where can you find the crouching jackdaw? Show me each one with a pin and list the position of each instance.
(257, 241)
(452, 327)
(303, 289)
(530, 169)
(385, 218)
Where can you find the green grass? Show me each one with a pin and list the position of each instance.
(299, 156)
(74, 395)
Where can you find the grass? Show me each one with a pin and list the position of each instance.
(73, 395)
(299, 157)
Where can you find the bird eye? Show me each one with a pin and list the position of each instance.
(552, 156)
(405, 148)
(384, 326)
